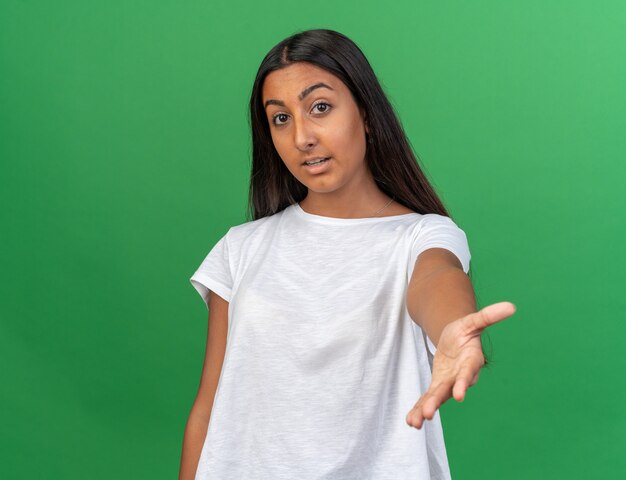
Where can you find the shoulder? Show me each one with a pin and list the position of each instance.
(428, 224)
(398, 210)
(433, 230)
(238, 234)
(438, 219)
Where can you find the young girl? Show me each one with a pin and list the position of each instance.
(344, 301)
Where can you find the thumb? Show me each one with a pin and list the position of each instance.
(490, 314)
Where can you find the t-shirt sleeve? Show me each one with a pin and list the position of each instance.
(214, 273)
(439, 231)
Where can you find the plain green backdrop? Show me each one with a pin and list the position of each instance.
(125, 155)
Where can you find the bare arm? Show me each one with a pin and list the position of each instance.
(439, 292)
(440, 298)
(198, 421)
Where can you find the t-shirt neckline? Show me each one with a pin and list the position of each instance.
(347, 221)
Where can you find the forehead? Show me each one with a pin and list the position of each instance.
(288, 82)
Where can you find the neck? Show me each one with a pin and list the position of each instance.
(363, 203)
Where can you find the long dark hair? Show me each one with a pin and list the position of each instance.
(389, 156)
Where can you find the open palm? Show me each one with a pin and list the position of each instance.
(457, 361)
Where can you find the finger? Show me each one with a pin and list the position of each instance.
(475, 379)
(467, 377)
(459, 390)
(489, 315)
(426, 395)
(438, 395)
(416, 416)
(462, 381)
(413, 417)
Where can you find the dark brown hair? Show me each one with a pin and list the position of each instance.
(389, 157)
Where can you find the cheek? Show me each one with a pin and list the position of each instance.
(350, 139)
(280, 146)
(285, 152)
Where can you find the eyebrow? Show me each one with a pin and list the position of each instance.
(302, 95)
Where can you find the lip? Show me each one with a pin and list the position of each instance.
(318, 168)
(312, 159)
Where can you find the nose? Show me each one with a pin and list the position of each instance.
(305, 137)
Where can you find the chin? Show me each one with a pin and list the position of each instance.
(323, 186)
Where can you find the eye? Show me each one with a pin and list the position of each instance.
(322, 103)
(277, 116)
(326, 107)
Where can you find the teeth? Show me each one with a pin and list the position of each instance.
(316, 162)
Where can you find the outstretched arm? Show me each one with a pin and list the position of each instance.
(439, 291)
(440, 299)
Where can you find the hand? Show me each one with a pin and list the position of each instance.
(457, 361)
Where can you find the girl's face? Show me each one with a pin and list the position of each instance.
(312, 114)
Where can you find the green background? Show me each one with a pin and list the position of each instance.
(125, 155)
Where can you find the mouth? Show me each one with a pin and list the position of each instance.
(319, 161)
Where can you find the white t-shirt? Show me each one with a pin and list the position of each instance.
(323, 361)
